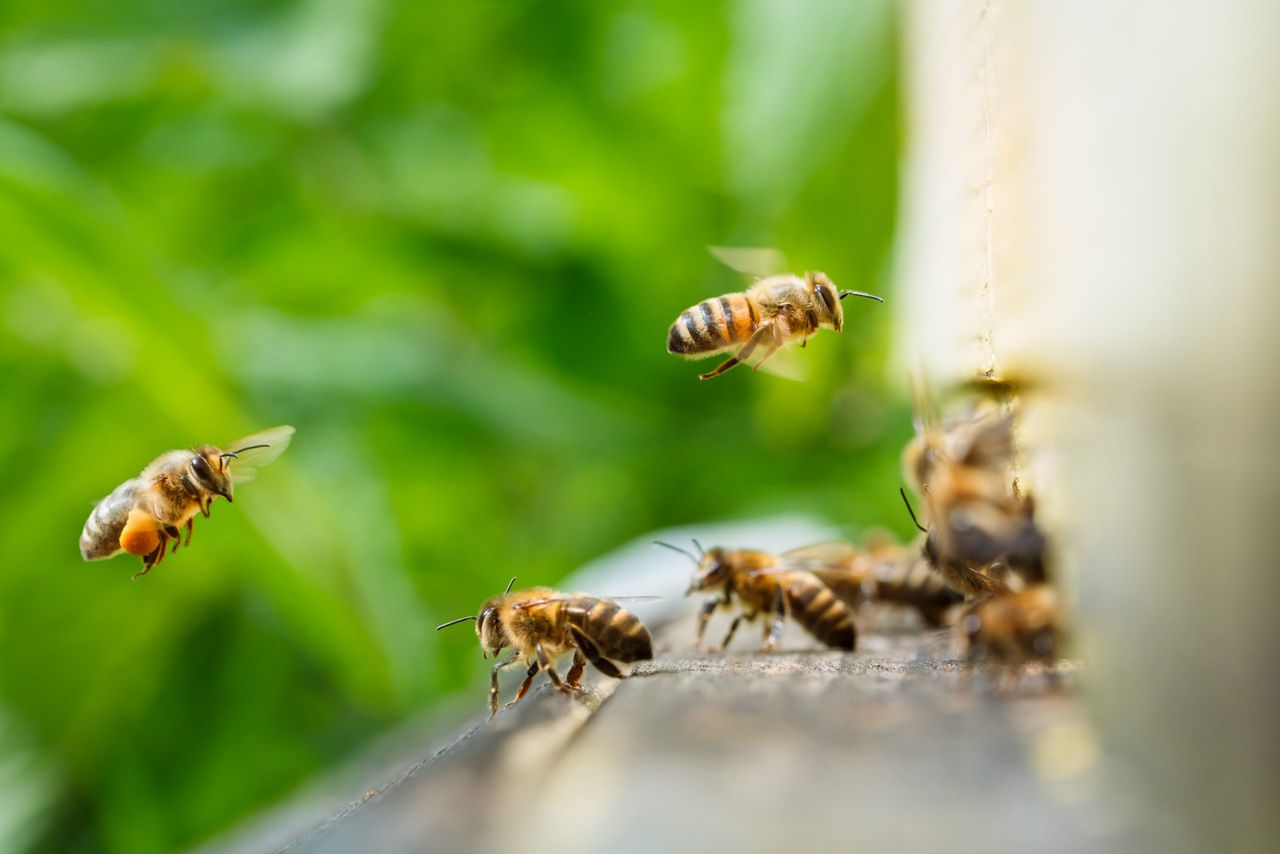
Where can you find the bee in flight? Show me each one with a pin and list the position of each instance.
(543, 625)
(144, 514)
(759, 584)
(775, 311)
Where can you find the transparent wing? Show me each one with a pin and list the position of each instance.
(788, 364)
(755, 261)
(986, 441)
(534, 603)
(255, 451)
(819, 555)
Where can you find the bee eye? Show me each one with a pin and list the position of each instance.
(827, 299)
(201, 467)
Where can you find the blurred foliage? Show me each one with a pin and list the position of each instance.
(444, 240)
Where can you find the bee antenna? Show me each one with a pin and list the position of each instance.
(453, 623)
(907, 501)
(698, 545)
(239, 451)
(689, 555)
(510, 584)
(844, 294)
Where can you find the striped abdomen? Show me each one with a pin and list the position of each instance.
(101, 535)
(714, 325)
(917, 585)
(819, 610)
(616, 634)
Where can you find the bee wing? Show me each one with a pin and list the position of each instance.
(536, 603)
(755, 261)
(785, 575)
(270, 444)
(830, 554)
(787, 364)
(779, 571)
(987, 442)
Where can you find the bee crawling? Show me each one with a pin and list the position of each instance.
(144, 514)
(543, 625)
(760, 584)
(1012, 629)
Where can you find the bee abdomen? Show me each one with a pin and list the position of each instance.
(914, 582)
(821, 612)
(100, 537)
(617, 633)
(713, 324)
(918, 585)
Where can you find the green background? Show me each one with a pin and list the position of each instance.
(445, 241)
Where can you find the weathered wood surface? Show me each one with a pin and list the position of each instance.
(892, 748)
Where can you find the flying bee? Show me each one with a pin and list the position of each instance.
(758, 585)
(883, 572)
(543, 625)
(1012, 629)
(775, 311)
(144, 514)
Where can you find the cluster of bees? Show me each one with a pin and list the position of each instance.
(978, 567)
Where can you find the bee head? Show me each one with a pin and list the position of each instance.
(712, 573)
(489, 629)
(712, 569)
(209, 470)
(826, 300)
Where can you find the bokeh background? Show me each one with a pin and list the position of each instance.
(443, 240)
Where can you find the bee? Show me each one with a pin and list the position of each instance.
(981, 528)
(543, 625)
(1012, 629)
(777, 310)
(761, 585)
(144, 514)
(883, 572)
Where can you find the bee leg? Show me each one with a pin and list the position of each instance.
(545, 661)
(733, 627)
(524, 686)
(191, 524)
(162, 549)
(741, 355)
(174, 534)
(708, 608)
(493, 681)
(774, 632)
(151, 560)
(592, 652)
(772, 349)
(574, 677)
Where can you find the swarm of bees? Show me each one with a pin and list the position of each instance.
(983, 536)
(978, 568)
(145, 513)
